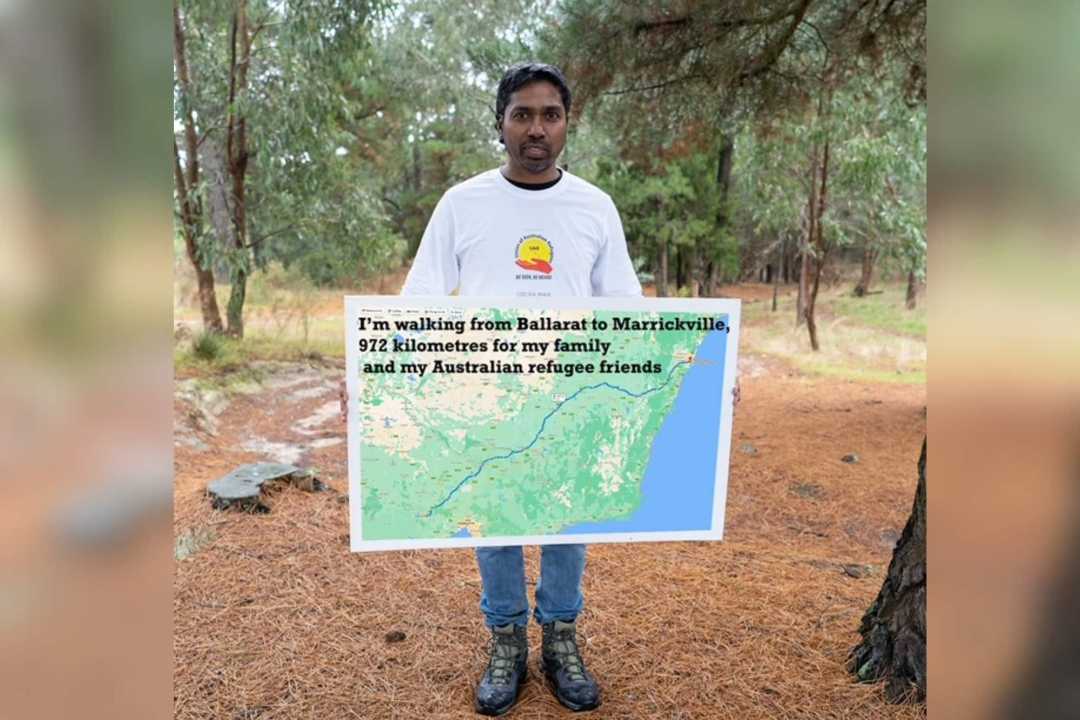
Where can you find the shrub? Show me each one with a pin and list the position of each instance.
(208, 346)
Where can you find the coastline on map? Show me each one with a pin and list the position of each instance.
(677, 491)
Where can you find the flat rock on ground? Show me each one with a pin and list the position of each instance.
(244, 487)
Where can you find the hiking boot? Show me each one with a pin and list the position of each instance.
(506, 671)
(561, 663)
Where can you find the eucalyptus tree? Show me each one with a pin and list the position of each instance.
(268, 87)
(189, 184)
(849, 173)
(884, 175)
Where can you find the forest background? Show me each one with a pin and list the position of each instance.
(740, 141)
(86, 183)
(770, 151)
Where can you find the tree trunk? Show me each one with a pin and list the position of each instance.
(790, 262)
(804, 276)
(416, 165)
(235, 309)
(693, 271)
(237, 155)
(191, 211)
(776, 276)
(662, 273)
(217, 181)
(712, 288)
(869, 257)
(820, 250)
(806, 246)
(680, 268)
(190, 216)
(811, 322)
(894, 627)
(912, 290)
(723, 167)
(723, 180)
(782, 262)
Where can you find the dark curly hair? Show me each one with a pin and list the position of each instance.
(520, 75)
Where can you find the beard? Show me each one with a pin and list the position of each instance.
(536, 165)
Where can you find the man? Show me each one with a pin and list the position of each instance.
(528, 229)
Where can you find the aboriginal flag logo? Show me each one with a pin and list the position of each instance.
(534, 253)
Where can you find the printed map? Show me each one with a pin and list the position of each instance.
(627, 445)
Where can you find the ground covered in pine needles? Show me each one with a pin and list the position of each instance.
(275, 618)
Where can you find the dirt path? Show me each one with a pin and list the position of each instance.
(274, 618)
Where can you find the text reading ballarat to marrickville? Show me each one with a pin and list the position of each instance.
(593, 345)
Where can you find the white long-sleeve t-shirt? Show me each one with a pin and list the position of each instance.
(489, 237)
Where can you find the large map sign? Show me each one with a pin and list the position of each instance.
(478, 421)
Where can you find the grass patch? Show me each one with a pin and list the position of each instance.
(885, 311)
(863, 374)
(869, 339)
(207, 346)
(234, 358)
(280, 324)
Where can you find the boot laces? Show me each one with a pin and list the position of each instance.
(564, 646)
(504, 650)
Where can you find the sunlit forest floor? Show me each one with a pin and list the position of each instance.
(870, 338)
(275, 618)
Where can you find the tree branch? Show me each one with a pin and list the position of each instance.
(206, 133)
(263, 23)
(773, 53)
(268, 235)
(231, 116)
(644, 26)
(820, 37)
(191, 144)
(726, 24)
(655, 86)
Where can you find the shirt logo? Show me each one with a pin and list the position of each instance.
(534, 253)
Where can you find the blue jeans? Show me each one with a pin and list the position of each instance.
(558, 593)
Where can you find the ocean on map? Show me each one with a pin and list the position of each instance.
(680, 476)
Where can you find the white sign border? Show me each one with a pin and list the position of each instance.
(714, 306)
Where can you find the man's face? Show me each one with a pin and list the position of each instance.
(534, 129)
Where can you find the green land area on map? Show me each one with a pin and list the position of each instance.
(512, 454)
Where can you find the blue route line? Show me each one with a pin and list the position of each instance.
(543, 422)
